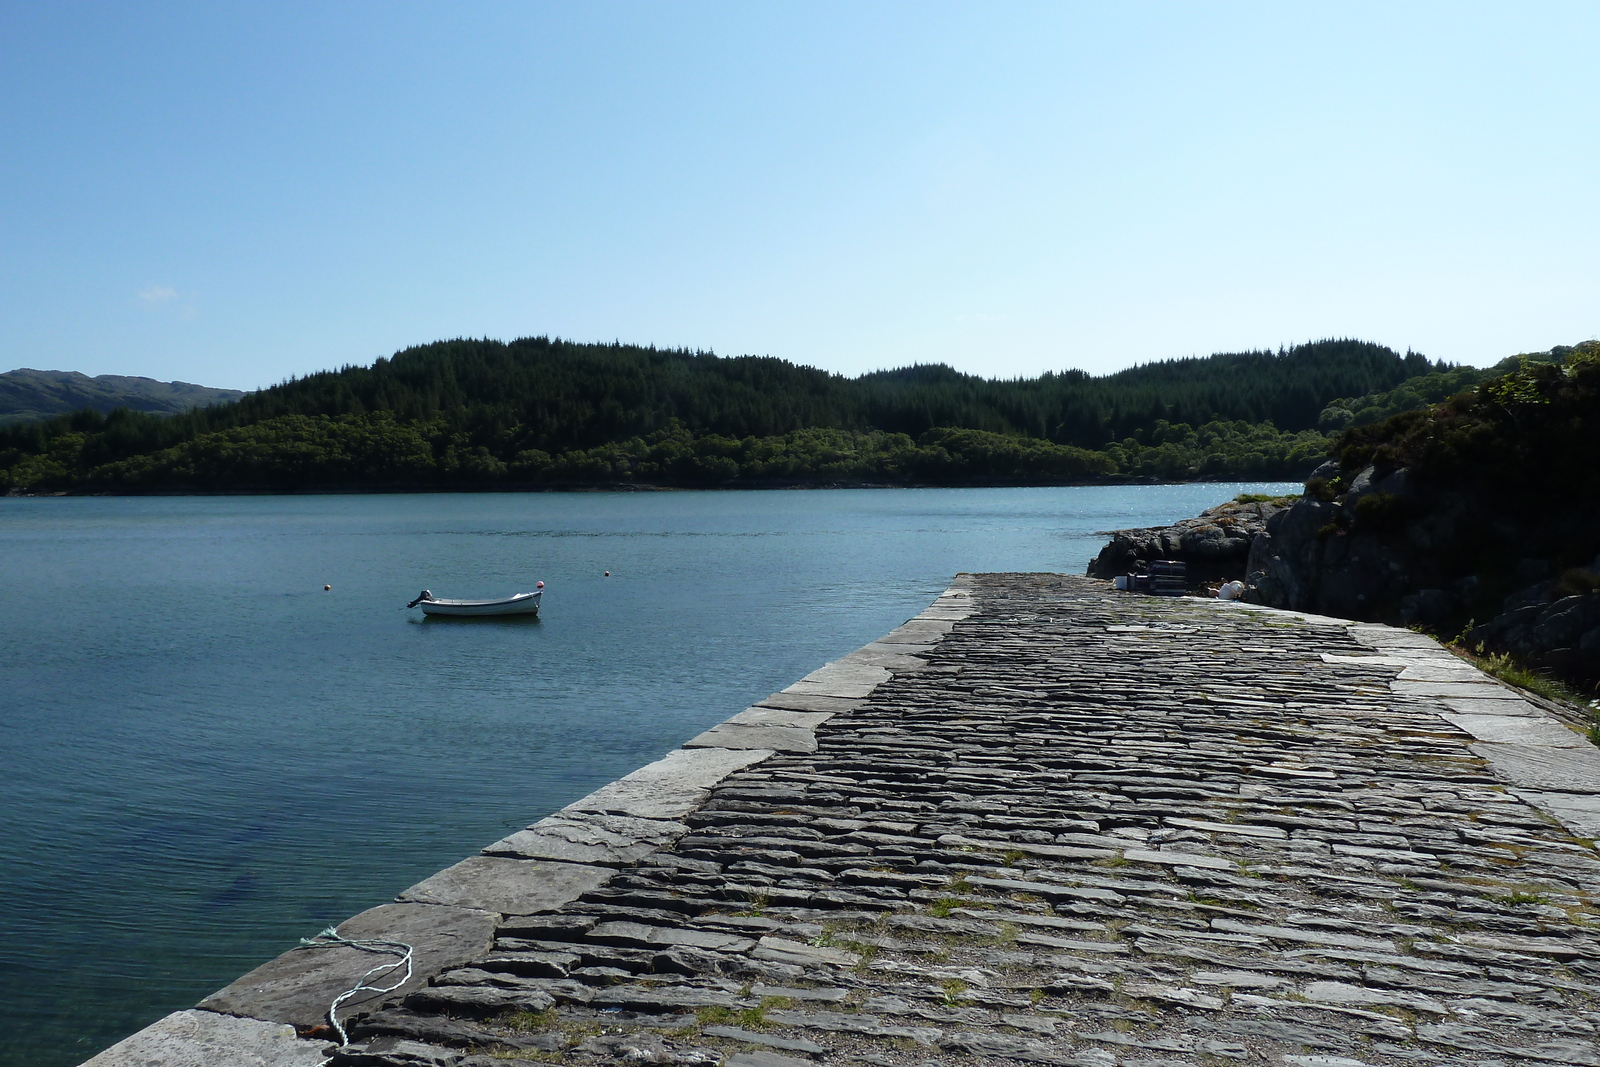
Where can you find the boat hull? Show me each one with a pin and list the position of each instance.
(521, 604)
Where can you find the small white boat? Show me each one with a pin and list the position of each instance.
(519, 604)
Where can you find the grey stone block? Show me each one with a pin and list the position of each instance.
(734, 735)
(1499, 706)
(1578, 812)
(671, 787)
(1564, 770)
(1517, 730)
(1483, 689)
(1374, 636)
(839, 679)
(298, 987)
(762, 1059)
(890, 661)
(1440, 672)
(782, 950)
(508, 886)
(787, 1044)
(759, 716)
(810, 702)
(1178, 859)
(919, 629)
(192, 1038)
(584, 837)
(910, 647)
(1346, 993)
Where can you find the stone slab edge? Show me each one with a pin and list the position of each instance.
(1541, 758)
(274, 1013)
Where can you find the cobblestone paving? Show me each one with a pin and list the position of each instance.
(1094, 829)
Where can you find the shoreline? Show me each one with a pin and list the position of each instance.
(630, 487)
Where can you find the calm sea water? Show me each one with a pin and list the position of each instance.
(205, 757)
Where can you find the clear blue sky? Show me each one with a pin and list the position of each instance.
(232, 193)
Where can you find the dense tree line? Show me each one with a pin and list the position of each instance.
(542, 411)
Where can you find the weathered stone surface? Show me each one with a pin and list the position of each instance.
(1580, 812)
(298, 987)
(1524, 729)
(763, 1059)
(841, 679)
(799, 720)
(669, 788)
(786, 1044)
(892, 657)
(771, 737)
(582, 837)
(195, 1038)
(1481, 689)
(508, 886)
(1569, 770)
(1495, 706)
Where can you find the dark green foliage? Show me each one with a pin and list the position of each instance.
(1381, 512)
(471, 413)
(1533, 427)
(1417, 393)
(1513, 460)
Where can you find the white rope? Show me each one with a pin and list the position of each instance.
(330, 938)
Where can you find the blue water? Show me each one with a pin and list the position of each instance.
(205, 757)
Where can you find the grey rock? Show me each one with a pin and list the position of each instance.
(1575, 770)
(1454, 1034)
(1028, 1050)
(763, 1059)
(758, 737)
(1215, 545)
(508, 886)
(824, 994)
(837, 679)
(477, 1002)
(627, 933)
(787, 1044)
(665, 999)
(298, 987)
(1536, 730)
(1290, 1033)
(397, 1052)
(1578, 812)
(669, 788)
(1345, 993)
(582, 837)
(193, 1038)
(809, 702)
(782, 950)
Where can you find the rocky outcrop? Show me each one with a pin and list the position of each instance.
(1392, 548)
(1478, 518)
(1215, 545)
(1543, 627)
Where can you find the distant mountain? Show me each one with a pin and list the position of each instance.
(33, 394)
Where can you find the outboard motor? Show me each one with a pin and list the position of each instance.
(424, 595)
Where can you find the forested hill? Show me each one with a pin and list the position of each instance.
(33, 394)
(567, 395)
(538, 410)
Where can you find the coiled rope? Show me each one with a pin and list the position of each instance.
(330, 938)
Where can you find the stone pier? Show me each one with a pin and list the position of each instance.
(1043, 822)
